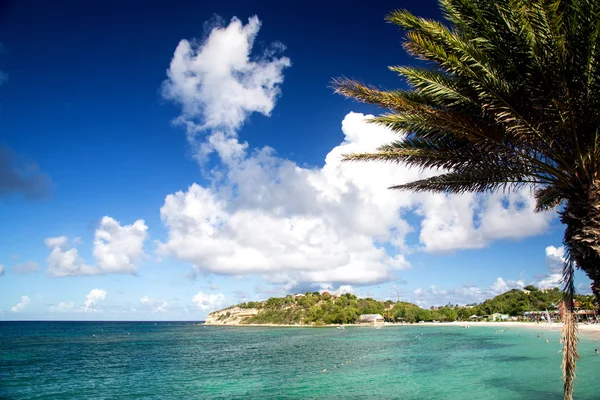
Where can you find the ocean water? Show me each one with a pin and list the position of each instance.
(147, 360)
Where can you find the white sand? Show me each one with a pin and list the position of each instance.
(591, 330)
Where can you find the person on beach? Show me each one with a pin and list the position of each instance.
(538, 335)
(596, 350)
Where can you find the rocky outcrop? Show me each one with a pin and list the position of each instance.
(230, 316)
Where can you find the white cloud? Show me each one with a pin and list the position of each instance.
(472, 220)
(93, 298)
(63, 307)
(90, 305)
(26, 268)
(219, 83)
(208, 302)
(555, 259)
(342, 289)
(2, 271)
(116, 249)
(25, 300)
(61, 241)
(266, 215)
(154, 306)
(66, 262)
(339, 223)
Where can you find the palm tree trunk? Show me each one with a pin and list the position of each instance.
(582, 234)
(582, 242)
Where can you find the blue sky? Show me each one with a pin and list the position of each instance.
(160, 162)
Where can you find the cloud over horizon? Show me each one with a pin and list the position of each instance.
(116, 249)
(262, 214)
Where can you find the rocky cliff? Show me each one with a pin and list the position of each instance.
(230, 316)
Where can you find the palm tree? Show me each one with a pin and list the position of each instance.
(510, 97)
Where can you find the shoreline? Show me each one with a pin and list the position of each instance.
(591, 331)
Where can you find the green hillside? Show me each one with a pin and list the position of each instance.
(323, 308)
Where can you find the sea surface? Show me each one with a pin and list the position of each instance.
(182, 360)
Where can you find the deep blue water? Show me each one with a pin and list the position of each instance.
(181, 360)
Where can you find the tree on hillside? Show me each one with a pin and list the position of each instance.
(510, 97)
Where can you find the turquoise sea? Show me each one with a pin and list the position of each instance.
(176, 360)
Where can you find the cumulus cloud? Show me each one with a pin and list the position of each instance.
(22, 177)
(337, 224)
(25, 300)
(555, 259)
(63, 307)
(26, 268)
(261, 214)
(116, 249)
(208, 302)
(64, 261)
(93, 298)
(219, 83)
(452, 222)
(90, 305)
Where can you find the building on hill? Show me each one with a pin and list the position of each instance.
(373, 319)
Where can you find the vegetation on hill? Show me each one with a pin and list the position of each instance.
(323, 308)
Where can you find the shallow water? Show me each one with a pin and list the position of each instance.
(107, 360)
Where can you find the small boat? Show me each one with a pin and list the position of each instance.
(340, 327)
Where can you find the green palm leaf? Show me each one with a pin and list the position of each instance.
(511, 98)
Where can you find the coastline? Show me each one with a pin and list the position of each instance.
(592, 331)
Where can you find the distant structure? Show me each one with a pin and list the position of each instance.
(373, 319)
(498, 317)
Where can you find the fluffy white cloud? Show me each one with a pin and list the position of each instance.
(90, 305)
(266, 215)
(342, 289)
(339, 223)
(208, 302)
(2, 271)
(472, 220)
(555, 259)
(63, 261)
(144, 300)
(26, 268)
(94, 297)
(63, 307)
(219, 83)
(25, 300)
(116, 249)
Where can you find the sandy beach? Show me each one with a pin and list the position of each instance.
(591, 331)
